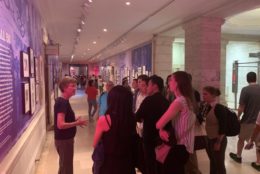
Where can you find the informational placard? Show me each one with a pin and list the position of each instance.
(32, 95)
(6, 91)
(31, 57)
(52, 50)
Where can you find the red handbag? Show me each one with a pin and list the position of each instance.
(162, 152)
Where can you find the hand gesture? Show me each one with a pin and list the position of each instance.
(164, 135)
(81, 122)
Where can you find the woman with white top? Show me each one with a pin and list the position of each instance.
(180, 113)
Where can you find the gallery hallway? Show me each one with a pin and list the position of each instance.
(48, 162)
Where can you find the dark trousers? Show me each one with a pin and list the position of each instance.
(139, 154)
(217, 158)
(176, 160)
(92, 103)
(191, 166)
(65, 149)
(98, 157)
(151, 164)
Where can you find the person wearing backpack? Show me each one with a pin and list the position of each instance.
(216, 124)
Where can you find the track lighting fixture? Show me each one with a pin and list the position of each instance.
(79, 30)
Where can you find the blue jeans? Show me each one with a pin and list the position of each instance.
(92, 103)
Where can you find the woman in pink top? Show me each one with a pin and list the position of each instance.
(180, 113)
(91, 92)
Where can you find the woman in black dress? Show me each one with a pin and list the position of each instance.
(116, 130)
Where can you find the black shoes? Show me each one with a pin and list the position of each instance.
(235, 158)
(239, 160)
(255, 166)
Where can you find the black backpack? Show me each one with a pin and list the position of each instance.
(233, 124)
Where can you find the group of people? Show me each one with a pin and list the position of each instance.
(132, 123)
(92, 92)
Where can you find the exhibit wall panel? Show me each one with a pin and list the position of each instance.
(21, 83)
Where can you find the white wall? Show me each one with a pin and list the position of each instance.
(178, 56)
(162, 56)
(239, 51)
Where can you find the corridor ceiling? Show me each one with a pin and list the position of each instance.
(134, 24)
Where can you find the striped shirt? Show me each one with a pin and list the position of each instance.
(184, 125)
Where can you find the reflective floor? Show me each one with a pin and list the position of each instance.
(48, 163)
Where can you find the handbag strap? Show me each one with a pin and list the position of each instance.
(107, 121)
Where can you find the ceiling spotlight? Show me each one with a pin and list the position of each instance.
(105, 30)
(79, 30)
(94, 42)
(72, 56)
(128, 3)
(82, 22)
(90, 1)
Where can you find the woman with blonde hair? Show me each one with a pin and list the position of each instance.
(65, 124)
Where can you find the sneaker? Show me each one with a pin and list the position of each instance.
(235, 158)
(255, 166)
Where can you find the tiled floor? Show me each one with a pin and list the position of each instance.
(48, 163)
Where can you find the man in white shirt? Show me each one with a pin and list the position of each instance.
(142, 82)
(141, 95)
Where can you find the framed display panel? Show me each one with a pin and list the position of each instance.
(31, 57)
(26, 98)
(32, 95)
(139, 70)
(37, 70)
(37, 93)
(144, 70)
(25, 64)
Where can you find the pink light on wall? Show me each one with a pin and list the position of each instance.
(94, 69)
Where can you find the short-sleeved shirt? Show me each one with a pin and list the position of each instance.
(102, 102)
(63, 106)
(250, 98)
(92, 92)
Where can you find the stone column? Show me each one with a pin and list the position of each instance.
(223, 71)
(162, 56)
(203, 51)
